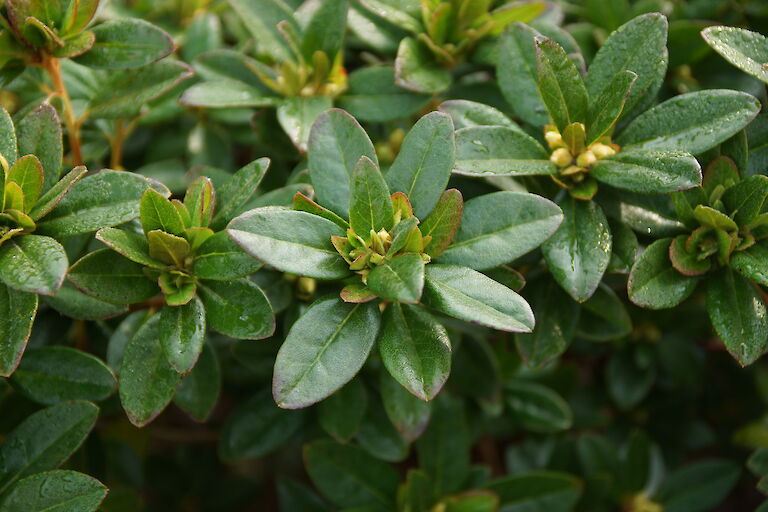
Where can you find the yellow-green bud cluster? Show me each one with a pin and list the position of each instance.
(571, 155)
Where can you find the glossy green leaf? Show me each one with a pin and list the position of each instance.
(261, 18)
(408, 414)
(579, 252)
(55, 491)
(499, 151)
(49, 375)
(378, 436)
(147, 380)
(604, 317)
(45, 440)
(499, 227)
(350, 477)
(417, 70)
(104, 199)
(56, 193)
(33, 263)
(131, 245)
(226, 94)
(39, 133)
(336, 143)
(467, 114)
(325, 30)
(71, 302)
(297, 115)
(415, 349)
(747, 198)
(473, 297)
(537, 408)
(237, 190)
(157, 212)
(517, 76)
(606, 109)
(424, 162)
(752, 263)
(653, 281)
(692, 122)
(373, 96)
(324, 350)
(258, 427)
(182, 334)
(17, 310)
(370, 205)
(199, 390)
(292, 241)
(539, 491)
(560, 84)
(124, 93)
(698, 487)
(127, 43)
(400, 279)
(743, 48)
(237, 308)
(649, 171)
(443, 223)
(220, 258)
(8, 142)
(739, 315)
(109, 276)
(167, 248)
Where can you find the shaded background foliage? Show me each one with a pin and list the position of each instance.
(605, 406)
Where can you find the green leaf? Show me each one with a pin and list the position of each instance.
(78, 15)
(640, 46)
(55, 194)
(378, 436)
(226, 94)
(236, 191)
(182, 334)
(499, 151)
(336, 144)
(743, 48)
(292, 241)
(261, 18)
(517, 76)
(45, 440)
(537, 408)
(370, 207)
(73, 303)
(297, 115)
(108, 276)
(122, 94)
(604, 317)
(219, 258)
(170, 249)
(698, 487)
(39, 133)
(324, 350)
(237, 308)
(752, 263)
(199, 390)
(50, 375)
(373, 96)
(341, 413)
(200, 201)
(472, 501)
(126, 43)
(473, 297)
(629, 377)
(408, 414)
(560, 84)
(708, 216)
(305, 204)
(257, 428)
(739, 316)
(157, 212)
(33, 263)
(746, 199)
(400, 279)
(499, 227)
(131, 245)
(53, 491)
(556, 318)
(537, 491)
(607, 108)
(424, 163)
(8, 142)
(579, 252)
(417, 70)
(468, 114)
(692, 122)
(443, 223)
(651, 171)
(653, 281)
(17, 311)
(147, 380)
(325, 30)
(415, 349)
(104, 199)
(349, 477)
(76, 45)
